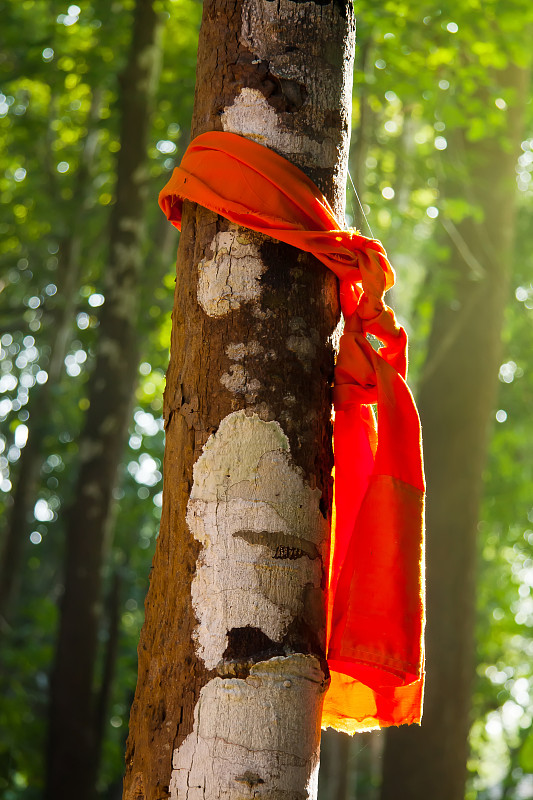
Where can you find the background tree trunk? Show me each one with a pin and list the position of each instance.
(72, 751)
(15, 535)
(456, 402)
(231, 667)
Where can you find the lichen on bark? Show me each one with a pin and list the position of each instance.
(242, 548)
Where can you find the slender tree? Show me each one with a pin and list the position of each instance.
(72, 750)
(231, 658)
(69, 262)
(456, 401)
(336, 752)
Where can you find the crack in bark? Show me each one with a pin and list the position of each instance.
(276, 540)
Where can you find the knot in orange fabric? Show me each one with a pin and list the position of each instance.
(376, 589)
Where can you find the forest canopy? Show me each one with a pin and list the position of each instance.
(440, 90)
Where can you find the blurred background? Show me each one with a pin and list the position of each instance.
(442, 160)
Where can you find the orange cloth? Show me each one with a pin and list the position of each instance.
(376, 589)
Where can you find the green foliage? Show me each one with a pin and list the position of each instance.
(426, 72)
(429, 74)
(502, 700)
(59, 85)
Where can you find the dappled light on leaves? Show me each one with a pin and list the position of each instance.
(424, 76)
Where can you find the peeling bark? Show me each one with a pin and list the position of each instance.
(226, 756)
(231, 659)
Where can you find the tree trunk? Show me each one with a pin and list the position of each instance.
(456, 402)
(231, 658)
(109, 665)
(350, 767)
(336, 752)
(71, 750)
(15, 535)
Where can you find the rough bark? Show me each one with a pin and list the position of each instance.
(71, 747)
(231, 658)
(456, 402)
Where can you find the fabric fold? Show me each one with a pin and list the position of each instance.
(376, 585)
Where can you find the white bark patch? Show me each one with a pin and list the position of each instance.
(303, 348)
(238, 382)
(254, 738)
(335, 337)
(261, 530)
(263, 411)
(268, 32)
(303, 343)
(252, 116)
(231, 276)
(238, 351)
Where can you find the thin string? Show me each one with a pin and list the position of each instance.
(360, 205)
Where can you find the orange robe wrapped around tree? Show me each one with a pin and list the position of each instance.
(376, 586)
